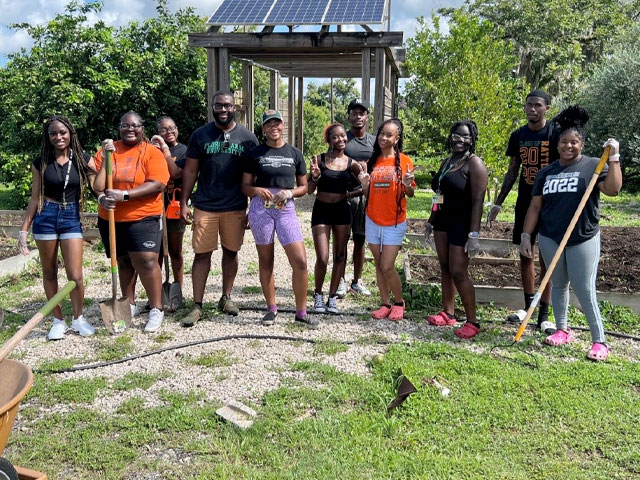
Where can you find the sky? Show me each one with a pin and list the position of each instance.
(119, 12)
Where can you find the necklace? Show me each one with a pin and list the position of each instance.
(448, 166)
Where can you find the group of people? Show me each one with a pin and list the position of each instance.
(361, 184)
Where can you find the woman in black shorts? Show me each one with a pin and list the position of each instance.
(331, 174)
(60, 175)
(459, 188)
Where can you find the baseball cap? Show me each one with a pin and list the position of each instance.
(271, 114)
(356, 102)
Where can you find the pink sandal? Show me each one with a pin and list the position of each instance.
(560, 338)
(397, 312)
(442, 319)
(382, 312)
(468, 330)
(598, 353)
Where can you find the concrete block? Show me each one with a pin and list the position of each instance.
(237, 414)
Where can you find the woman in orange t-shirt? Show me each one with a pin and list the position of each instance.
(388, 182)
(140, 174)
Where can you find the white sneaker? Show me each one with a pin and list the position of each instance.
(360, 288)
(332, 305)
(134, 310)
(342, 288)
(58, 329)
(318, 302)
(82, 327)
(155, 320)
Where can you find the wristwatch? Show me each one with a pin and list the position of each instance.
(474, 235)
(125, 196)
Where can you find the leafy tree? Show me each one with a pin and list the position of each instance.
(466, 73)
(316, 118)
(556, 40)
(612, 96)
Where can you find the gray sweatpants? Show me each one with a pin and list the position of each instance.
(578, 266)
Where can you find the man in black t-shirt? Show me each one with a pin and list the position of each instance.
(359, 147)
(531, 148)
(215, 158)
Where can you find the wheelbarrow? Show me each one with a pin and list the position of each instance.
(15, 382)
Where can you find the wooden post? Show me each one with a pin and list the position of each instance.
(331, 99)
(274, 90)
(224, 80)
(212, 79)
(366, 75)
(291, 120)
(300, 139)
(380, 86)
(247, 88)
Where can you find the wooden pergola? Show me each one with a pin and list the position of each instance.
(299, 55)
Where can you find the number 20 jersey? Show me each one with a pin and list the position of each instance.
(535, 150)
(562, 188)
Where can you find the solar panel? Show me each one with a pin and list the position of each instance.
(298, 12)
(355, 12)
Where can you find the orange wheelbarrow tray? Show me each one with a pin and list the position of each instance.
(16, 380)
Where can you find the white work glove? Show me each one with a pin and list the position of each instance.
(282, 197)
(364, 178)
(108, 146)
(525, 245)
(408, 178)
(614, 152)
(158, 141)
(22, 242)
(472, 247)
(493, 214)
(428, 235)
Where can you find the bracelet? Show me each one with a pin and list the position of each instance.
(474, 235)
(314, 180)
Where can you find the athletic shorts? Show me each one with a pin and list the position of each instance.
(208, 225)
(457, 230)
(175, 226)
(383, 235)
(266, 222)
(57, 222)
(522, 205)
(140, 236)
(358, 213)
(324, 213)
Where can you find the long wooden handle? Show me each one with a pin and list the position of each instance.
(165, 247)
(563, 243)
(36, 319)
(112, 232)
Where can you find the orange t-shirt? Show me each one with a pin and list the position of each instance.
(385, 188)
(132, 166)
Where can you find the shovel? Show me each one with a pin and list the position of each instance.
(171, 292)
(116, 313)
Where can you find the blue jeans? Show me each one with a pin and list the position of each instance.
(57, 222)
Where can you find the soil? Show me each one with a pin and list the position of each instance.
(618, 271)
(8, 247)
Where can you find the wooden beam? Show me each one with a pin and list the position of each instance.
(366, 75)
(247, 89)
(224, 74)
(291, 111)
(331, 99)
(212, 79)
(296, 40)
(300, 139)
(380, 86)
(274, 90)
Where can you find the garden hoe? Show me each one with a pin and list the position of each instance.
(116, 313)
(171, 292)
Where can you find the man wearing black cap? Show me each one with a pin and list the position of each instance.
(533, 146)
(359, 147)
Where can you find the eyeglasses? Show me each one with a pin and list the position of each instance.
(457, 138)
(223, 106)
(227, 140)
(168, 129)
(126, 126)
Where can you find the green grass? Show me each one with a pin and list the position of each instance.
(214, 359)
(329, 347)
(252, 289)
(137, 380)
(113, 348)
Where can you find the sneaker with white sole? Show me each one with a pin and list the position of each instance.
(318, 302)
(342, 288)
(155, 320)
(134, 310)
(58, 329)
(359, 288)
(82, 327)
(332, 305)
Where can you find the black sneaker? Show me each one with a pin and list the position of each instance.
(269, 318)
(308, 322)
(226, 305)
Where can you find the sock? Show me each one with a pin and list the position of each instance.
(543, 313)
(272, 308)
(399, 304)
(528, 298)
(198, 304)
(301, 313)
(475, 324)
(450, 315)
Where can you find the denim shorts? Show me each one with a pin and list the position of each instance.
(57, 221)
(383, 235)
